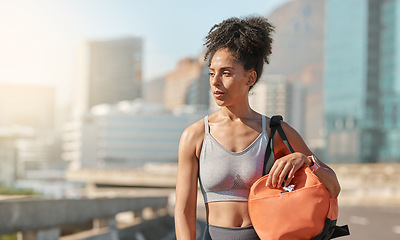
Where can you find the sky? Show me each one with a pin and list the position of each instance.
(39, 39)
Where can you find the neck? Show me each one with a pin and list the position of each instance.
(243, 111)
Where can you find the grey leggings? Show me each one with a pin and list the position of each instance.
(231, 233)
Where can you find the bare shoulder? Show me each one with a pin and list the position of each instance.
(295, 139)
(194, 131)
(289, 130)
(192, 137)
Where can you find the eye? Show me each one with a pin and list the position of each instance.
(226, 74)
(211, 74)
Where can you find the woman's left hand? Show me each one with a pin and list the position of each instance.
(284, 168)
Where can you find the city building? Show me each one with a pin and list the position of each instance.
(313, 132)
(313, 121)
(274, 95)
(187, 84)
(390, 78)
(298, 54)
(27, 135)
(8, 152)
(125, 135)
(37, 154)
(39, 167)
(109, 71)
(298, 38)
(79, 143)
(153, 90)
(270, 96)
(362, 81)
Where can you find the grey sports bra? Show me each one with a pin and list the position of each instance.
(225, 175)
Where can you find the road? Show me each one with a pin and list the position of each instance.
(371, 223)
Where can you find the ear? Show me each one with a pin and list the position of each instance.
(252, 76)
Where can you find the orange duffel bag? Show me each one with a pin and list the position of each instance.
(308, 211)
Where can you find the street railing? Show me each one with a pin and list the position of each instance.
(36, 219)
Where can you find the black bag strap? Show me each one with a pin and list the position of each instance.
(269, 158)
(340, 231)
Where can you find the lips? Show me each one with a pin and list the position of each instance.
(218, 94)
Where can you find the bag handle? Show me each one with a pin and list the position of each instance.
(269, 158)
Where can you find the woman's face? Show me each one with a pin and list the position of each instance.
(229, 80)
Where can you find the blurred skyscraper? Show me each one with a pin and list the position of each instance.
(362, 80)
(109, 71)
(187, 84)
(153, 91)
(9, 154)
(390, 78)
(27, 136)
(274, 95)
(270, 96)
(297, 54)
(298, 38)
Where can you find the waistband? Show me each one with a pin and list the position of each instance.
(236, 233)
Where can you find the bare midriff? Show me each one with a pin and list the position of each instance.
(228, 214)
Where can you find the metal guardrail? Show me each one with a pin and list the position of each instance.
(32, 215)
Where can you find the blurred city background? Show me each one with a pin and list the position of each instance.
(94, 96)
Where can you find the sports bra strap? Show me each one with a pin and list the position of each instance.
(264, 123)
(206, 128)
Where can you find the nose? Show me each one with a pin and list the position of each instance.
(215, 80)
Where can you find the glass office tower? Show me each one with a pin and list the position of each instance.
(390, 78)
(360, 72)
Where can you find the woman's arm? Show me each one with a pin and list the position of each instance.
(186, 184)
(287, 165)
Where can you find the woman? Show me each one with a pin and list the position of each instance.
(226, 149)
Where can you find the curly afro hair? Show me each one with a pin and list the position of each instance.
(249, 39)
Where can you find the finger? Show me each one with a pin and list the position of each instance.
(284, 173)
(271, 171)
(275, 175)
(290, 176)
